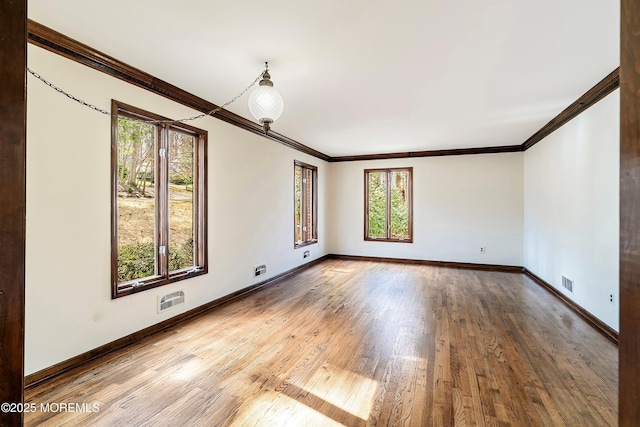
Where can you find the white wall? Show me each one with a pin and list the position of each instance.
(460, 204)
(553, 209)
(68, 305)
(571, 219)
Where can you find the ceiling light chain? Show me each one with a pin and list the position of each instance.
(103, 111)
(68, 95)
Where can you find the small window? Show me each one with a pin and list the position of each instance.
(305, 204)
(388, 205)
(158, 200)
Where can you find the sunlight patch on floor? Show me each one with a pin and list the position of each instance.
(275, 409)
(188, 371)
(343, 389)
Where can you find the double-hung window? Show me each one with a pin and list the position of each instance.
(305, 204)
(388, 205)
(158, 200)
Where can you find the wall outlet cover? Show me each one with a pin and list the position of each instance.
(259, 270)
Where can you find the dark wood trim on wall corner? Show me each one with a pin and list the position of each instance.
(629, 351)
(596, 323)
(53, 41)
(445, 264)
(91, 355)
(13, 163)
(603, 88)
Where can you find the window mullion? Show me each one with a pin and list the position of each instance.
(388, 205)
(303, 204)
(162, 214)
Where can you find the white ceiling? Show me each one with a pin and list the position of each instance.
(364, 77)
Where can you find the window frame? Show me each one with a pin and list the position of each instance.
(161, 214)
(311, 238)
(388, 237)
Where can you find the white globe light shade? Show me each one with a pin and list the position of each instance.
(265, 102)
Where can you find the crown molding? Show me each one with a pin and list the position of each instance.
(603, 88)
(53, 41)
(430, 153)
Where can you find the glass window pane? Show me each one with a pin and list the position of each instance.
(377, 198)
(298, 203)
(136, 204)
(399, 187)
(181, 207)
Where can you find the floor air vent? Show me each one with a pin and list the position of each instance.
(169, 301)
(567, 283)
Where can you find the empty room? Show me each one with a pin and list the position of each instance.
(322, 214)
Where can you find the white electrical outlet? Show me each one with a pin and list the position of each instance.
(612, 298)
(483, 250)
(259, 270)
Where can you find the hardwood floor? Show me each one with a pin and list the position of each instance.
(358, 343)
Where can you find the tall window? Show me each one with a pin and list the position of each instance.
(388, 205)
(305, 204)
(158, 209)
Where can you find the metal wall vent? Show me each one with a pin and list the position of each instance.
(567, 284)
(171, 300)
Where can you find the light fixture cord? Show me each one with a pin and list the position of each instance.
(103, 111)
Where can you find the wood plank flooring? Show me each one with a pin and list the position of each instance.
(358, 343)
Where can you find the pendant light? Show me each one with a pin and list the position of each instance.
(265, 102)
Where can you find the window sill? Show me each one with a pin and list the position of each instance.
(156, 282)
(368, 239)
(303, 244)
